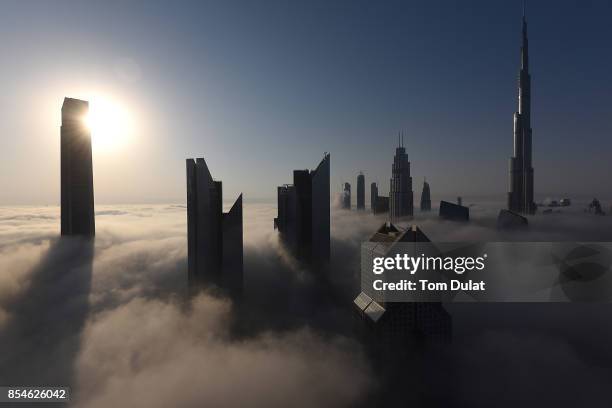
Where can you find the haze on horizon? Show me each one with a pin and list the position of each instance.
(260, 90)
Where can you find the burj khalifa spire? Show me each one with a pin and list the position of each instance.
(520, 196)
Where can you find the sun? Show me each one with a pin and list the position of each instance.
(110, 124)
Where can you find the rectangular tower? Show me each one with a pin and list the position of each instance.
(361, 192)
(303, 214)
(373, 196)
(426, 197)
(346, 196)
(77, 196)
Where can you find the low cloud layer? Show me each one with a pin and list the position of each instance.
(112, 319)
(167, 357)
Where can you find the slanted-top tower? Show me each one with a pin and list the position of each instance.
(214, 238)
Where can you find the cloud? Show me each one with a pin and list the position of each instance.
(153, 354)
(112, 320)
(16, 263)
(127, 328)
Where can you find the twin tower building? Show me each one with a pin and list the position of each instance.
(215, 238)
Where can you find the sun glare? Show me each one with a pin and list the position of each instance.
(110, 124)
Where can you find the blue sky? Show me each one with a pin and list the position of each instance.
(262, 88)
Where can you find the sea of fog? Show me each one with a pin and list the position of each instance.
(111, 319)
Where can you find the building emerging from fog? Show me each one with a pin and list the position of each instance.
(303, 213)
(77, 195)
(385, 325)
(400, 193)
(454, 212)
(361, 191)
(373, 196)
(346, 196)
(379, 204)
(520, 196)
(214, 238)
(426, 197)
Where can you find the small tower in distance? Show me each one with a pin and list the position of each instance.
(426, 197)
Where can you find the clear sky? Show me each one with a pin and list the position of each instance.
(261, 88)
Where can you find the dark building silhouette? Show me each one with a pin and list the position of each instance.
(388, 326)
(400, 192)
(373, 196)
(361, 192)
(346, 196)
(214, 238)
(382, 204)
(511, 220)
(303, 213)
(77, 195)
(426, 197)
(520, 196)
(379, 204)
(454, 212)
(459, 200)
(595, 207)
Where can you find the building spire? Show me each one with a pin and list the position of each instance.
(525, 43)
(520, 195)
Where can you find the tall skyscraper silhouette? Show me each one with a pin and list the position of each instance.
(361, 191)
(426, 197)
(373, 196)
(379, 204)
(303, 214)
(520, 196)
(346, 196)
(77, 195)
(400, 194)
(214, 238)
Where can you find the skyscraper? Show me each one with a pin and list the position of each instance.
(388, 325)
(214, 238)
(520, 196)
(373, 196)
(303, 214)
(426, 197)
(361, 191)
(379, 204)
(454, 212)
(400, 193)
(77, 196)
(346, 196)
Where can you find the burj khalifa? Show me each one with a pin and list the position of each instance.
(520, 196)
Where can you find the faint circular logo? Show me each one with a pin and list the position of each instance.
(584, 273)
